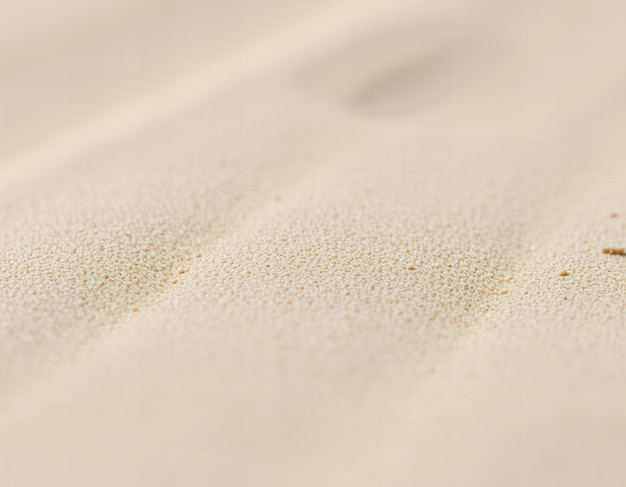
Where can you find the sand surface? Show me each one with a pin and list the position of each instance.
(317, 243)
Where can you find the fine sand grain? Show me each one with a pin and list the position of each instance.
(349, 243)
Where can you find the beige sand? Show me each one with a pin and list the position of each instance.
(347, 243)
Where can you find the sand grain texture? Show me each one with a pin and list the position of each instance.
(327, 244)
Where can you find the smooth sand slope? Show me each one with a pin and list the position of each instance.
(313, 244)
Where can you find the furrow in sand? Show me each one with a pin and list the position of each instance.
(291, 259)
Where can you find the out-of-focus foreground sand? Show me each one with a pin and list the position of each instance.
(320, 243)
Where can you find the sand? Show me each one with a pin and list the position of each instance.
(348, 243)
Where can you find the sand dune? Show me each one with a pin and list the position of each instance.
(324, 243)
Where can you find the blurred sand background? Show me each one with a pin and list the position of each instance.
(314, 243)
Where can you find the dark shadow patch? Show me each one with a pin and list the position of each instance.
(396, 69)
